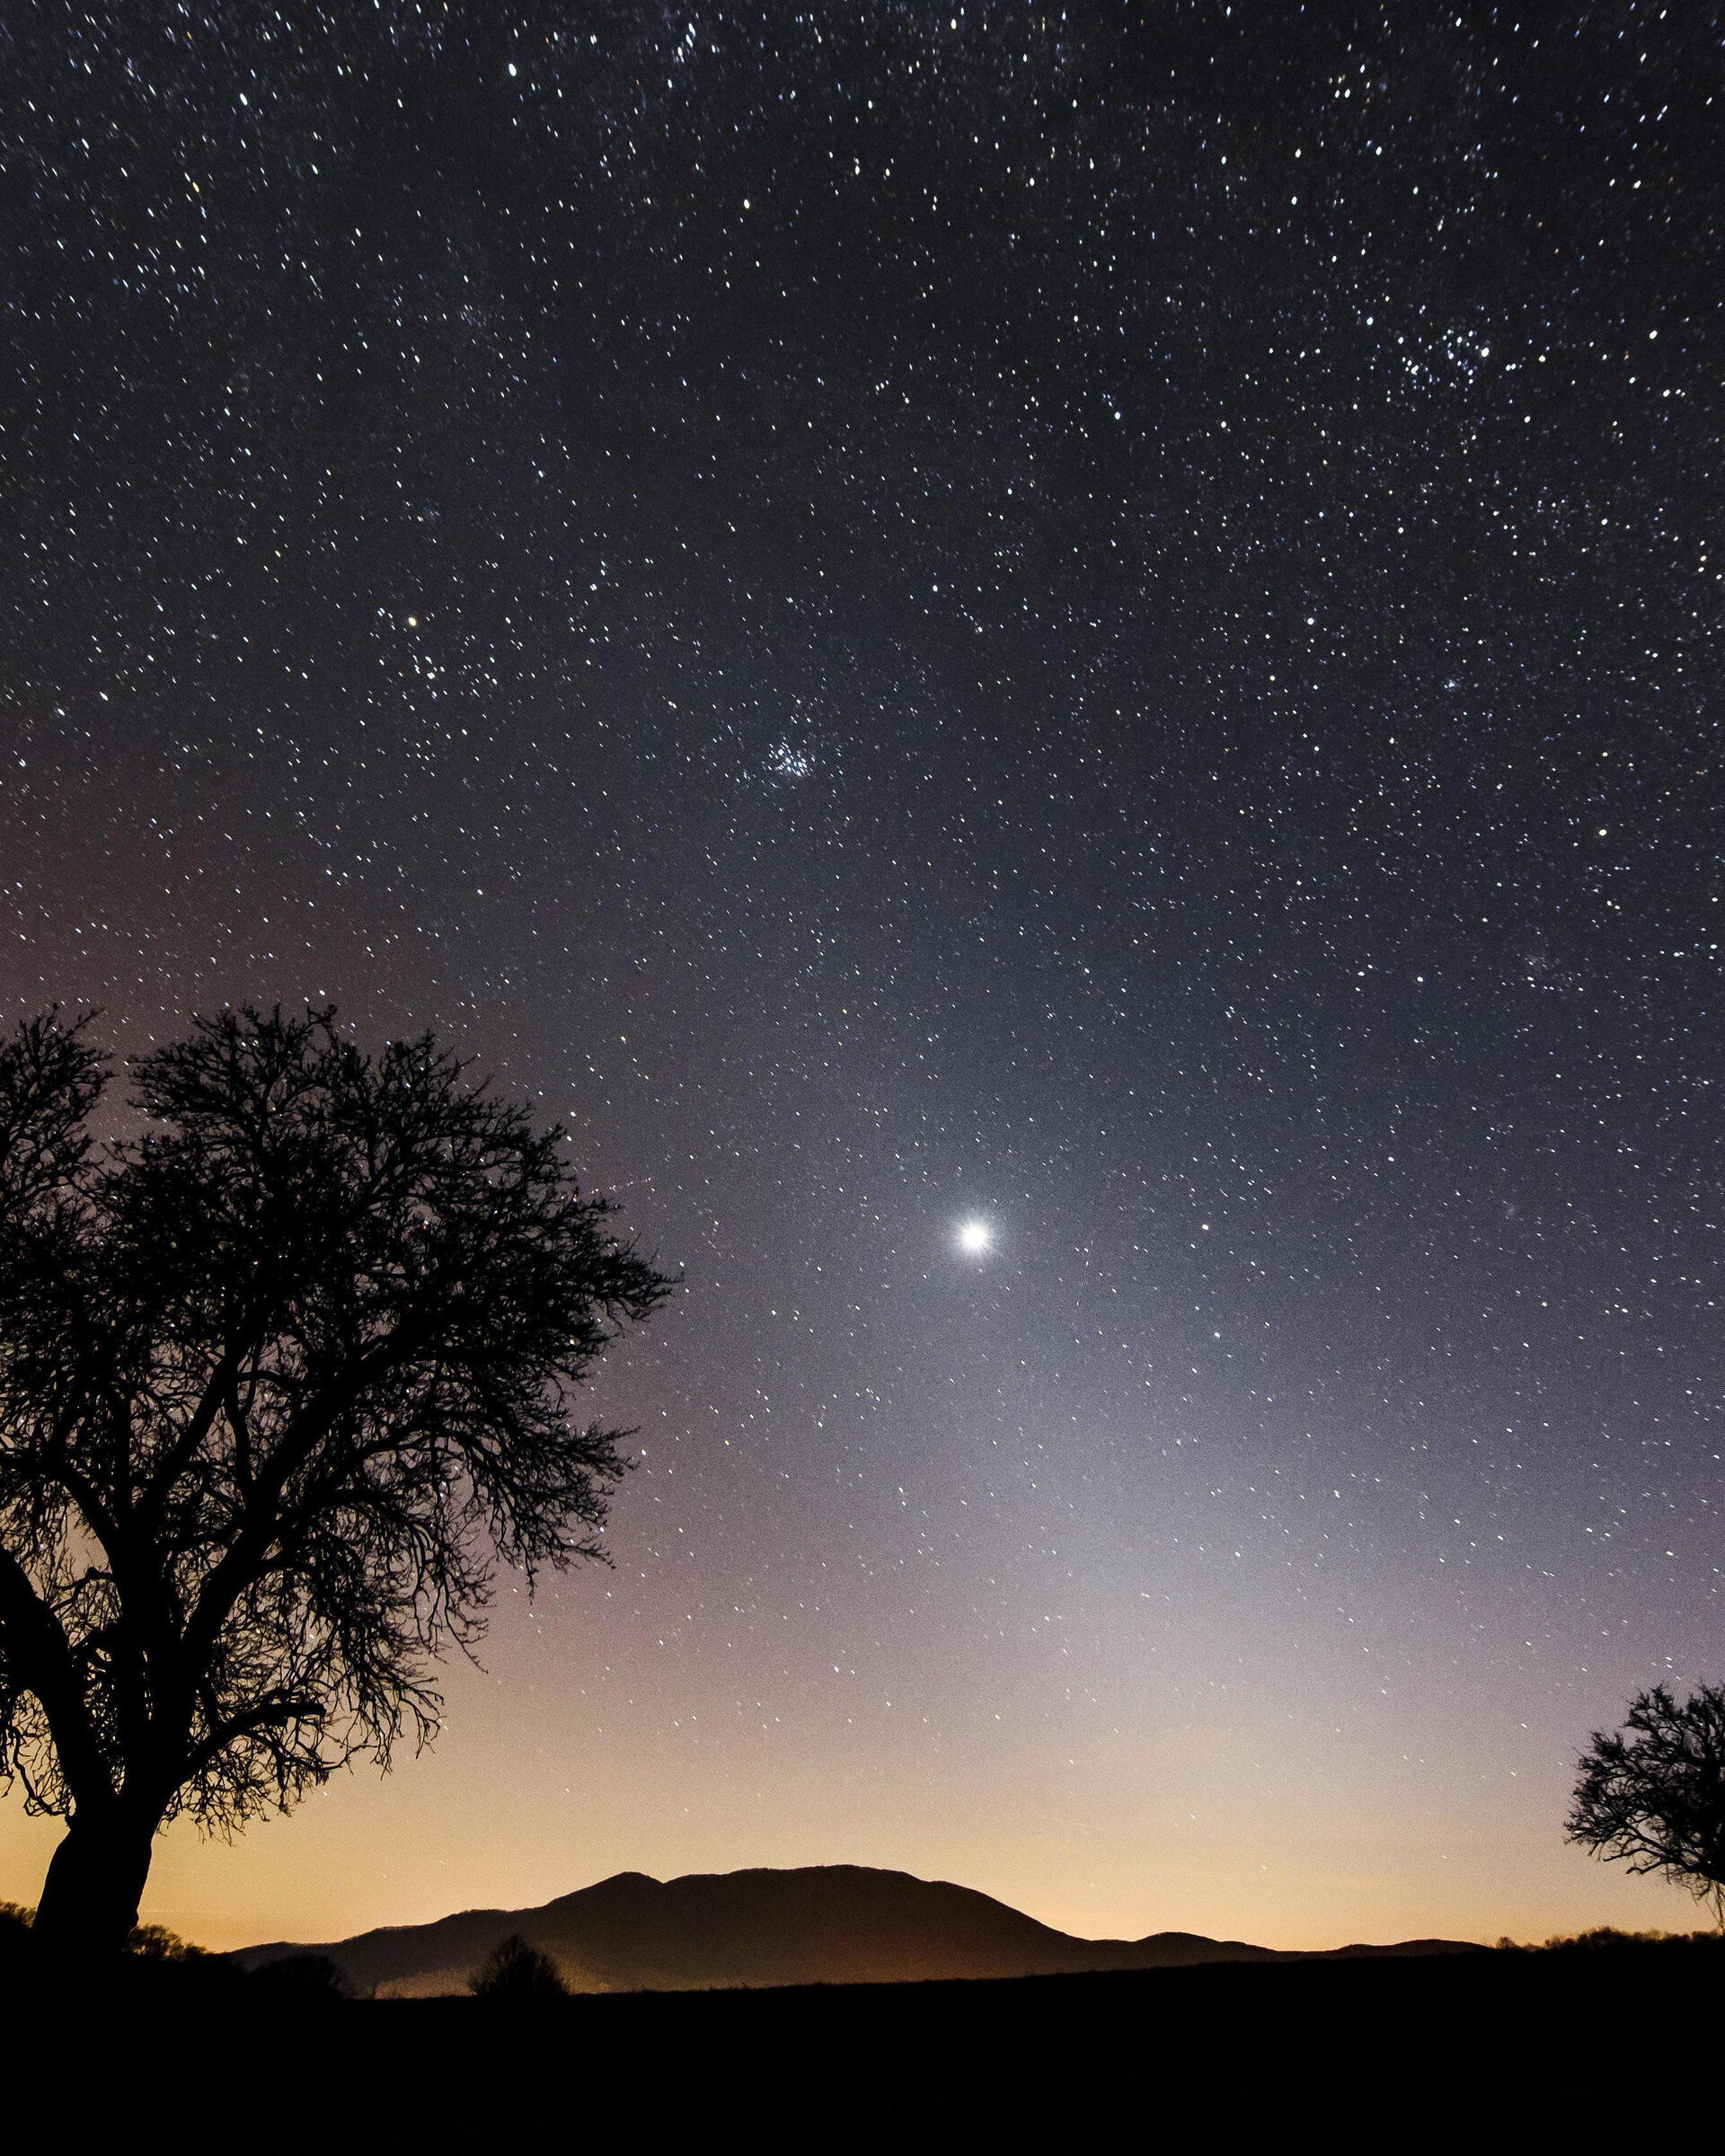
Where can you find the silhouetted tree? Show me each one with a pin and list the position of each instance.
(1653, 1795)
(515, 1970)
(281, 1380)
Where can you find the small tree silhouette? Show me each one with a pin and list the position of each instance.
(281, 1380)
(1652, 1797)
(515, 1970)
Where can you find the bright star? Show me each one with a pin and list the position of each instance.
(975, 1237)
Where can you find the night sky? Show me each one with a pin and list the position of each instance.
(1094, 621)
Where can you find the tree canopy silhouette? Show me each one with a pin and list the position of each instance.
(282, 1379)
(1653, 1795)
(515, 1970)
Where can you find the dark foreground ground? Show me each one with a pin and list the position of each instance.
(1464, 2050)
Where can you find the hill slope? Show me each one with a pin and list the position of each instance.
(838, 1923)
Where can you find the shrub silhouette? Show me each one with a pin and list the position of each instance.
(15, 1936)
(307, 1979)
(148, 1943)
(1652, 1796)
(515, 1970)
(281, 1382)
(156, 1942)
(1606, 1938)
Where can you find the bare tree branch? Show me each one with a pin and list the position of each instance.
(1651, 1796)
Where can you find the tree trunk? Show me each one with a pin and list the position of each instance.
(95, 1879)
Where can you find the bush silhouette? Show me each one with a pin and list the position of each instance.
(146, 1942)
(302, 1979)
(1606, 1938)
(515, 1970)
(14, 1935)
(156, 1942)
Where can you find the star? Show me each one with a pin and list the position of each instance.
(976, 1237)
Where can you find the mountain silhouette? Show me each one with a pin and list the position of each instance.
(832, 1923)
